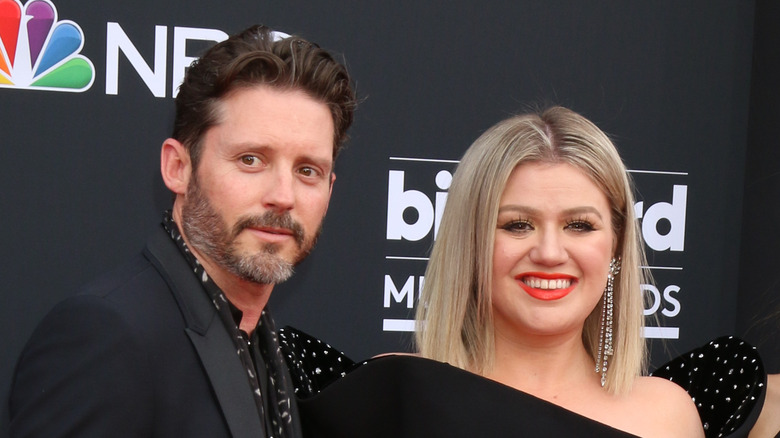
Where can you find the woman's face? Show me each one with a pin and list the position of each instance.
(553, 244)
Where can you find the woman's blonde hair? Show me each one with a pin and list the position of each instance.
(454, 316)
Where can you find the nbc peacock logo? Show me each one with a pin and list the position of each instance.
(38, 52)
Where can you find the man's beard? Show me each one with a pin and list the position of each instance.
(207, 232)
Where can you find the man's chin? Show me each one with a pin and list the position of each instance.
(288, 252)
(262, 268)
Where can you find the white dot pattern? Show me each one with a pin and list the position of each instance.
(279, 422)
(725, 380)
(313, 364)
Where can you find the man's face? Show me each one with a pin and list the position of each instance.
(255, 204)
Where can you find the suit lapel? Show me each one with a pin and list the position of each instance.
(209, 337)
(229, 380)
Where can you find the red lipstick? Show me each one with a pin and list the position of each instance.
(549, 293)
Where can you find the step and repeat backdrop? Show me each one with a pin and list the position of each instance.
(86, 99)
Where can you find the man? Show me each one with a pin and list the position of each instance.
(178, 342)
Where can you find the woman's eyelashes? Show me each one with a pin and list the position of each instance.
(580, 225)
(522, 225)
(517, 225)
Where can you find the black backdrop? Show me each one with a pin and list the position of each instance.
(758, 316)
(670, 81)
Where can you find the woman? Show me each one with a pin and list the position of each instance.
(537, 200)
(768, 424)
(526, 300)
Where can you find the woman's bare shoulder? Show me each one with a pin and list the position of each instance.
(396, 354)
(674, 412)
(768, 423)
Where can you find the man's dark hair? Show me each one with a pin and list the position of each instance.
(254, 57)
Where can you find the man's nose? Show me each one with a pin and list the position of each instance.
(280, 193)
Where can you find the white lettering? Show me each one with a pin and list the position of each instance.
(443, 181)
(671, 300)
(180, 59)
(406, 291)
(674, 213)
(117, 40)
(654, 295)
(656, 298)
(398, 201)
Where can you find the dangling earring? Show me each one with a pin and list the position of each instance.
(605, 332)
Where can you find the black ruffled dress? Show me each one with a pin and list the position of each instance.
(408, 396)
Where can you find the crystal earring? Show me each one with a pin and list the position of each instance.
(605, 332)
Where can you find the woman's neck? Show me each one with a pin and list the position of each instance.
(547, 367)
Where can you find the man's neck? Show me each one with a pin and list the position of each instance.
(249, 297)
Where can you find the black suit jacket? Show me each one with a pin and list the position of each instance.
(142, 353)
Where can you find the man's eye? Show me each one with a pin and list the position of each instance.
(250, 160)
(307, 171)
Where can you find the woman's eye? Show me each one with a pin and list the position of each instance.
(581, 226)
(517, 226)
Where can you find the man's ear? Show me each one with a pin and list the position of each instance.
(330, 189)
(175, 166)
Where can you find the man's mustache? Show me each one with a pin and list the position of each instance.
(271, 220)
